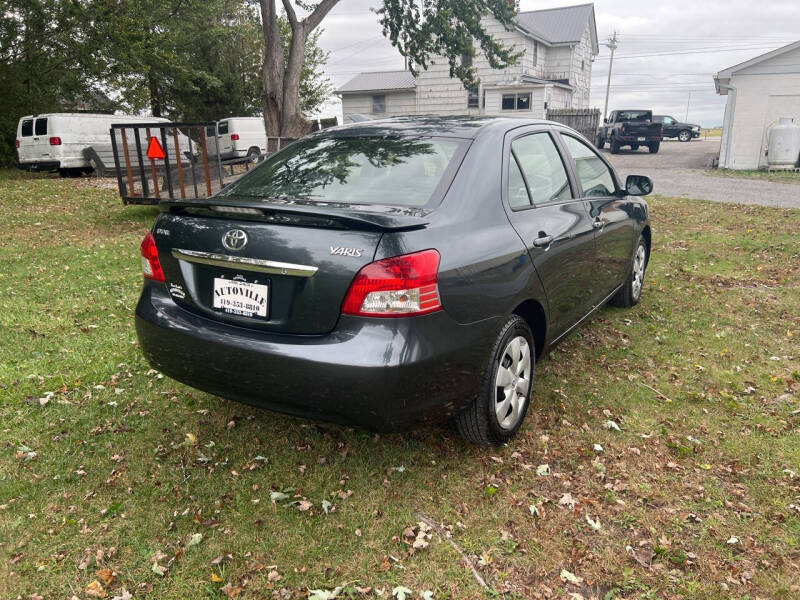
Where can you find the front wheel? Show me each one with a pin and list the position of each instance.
(615, 146)
(496, 413)
(685, 136)
(630, 292)
(601, 141)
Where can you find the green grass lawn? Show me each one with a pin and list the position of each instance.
(112, 476)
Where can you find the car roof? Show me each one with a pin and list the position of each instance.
(438, 126)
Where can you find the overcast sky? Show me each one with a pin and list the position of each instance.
(668, 51)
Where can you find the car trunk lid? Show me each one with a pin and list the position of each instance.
(284, 269)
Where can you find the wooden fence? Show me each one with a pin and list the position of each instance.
(584, 120)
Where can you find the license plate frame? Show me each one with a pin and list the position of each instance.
(238, 296)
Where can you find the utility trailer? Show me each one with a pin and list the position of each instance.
(155, 162)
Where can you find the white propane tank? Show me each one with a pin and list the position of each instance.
(784, 144)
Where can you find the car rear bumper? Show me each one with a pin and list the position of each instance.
(44, 165)
(382, 374)
(639, 139)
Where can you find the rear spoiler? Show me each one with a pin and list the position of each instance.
(372, 217)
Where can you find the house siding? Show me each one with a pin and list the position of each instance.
(398, 103)
(764, 92)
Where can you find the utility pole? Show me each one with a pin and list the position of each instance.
(612, 45)
(687, 106)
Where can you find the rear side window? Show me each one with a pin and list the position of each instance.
(595, 177)
(543, 168)
(222, 127)
(396, 170)
(27, 128)
(41, 127)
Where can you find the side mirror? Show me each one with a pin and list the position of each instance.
(638, 185)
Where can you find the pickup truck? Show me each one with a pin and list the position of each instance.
(632, 128)
(685, 132)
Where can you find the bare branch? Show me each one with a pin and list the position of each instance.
(290, 14)
(322, 10)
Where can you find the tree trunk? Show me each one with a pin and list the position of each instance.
(155, 98)
(272, 69)
(280, 96)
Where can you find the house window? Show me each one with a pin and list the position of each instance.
(535, 54)
(517, 101)
(473, 97)
(379, 104)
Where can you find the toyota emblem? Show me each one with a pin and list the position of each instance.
(235, 239)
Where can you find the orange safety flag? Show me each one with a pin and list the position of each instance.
(154, 149)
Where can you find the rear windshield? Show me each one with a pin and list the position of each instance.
(635, 115)
(41, 126)
(397, 171)
(27, 127)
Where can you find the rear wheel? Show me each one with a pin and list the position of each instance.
(497, 412)
(653, 147)
(615, 146)
(601, 141)
(685, 135)
(629, 294)
(253, 155)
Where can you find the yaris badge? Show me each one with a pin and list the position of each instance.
(235, 239)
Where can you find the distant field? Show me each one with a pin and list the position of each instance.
(660, 459)
(777, 176)
(711, 132)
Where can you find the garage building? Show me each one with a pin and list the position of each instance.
(760, 91)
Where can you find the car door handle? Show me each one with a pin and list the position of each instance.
(543, 242)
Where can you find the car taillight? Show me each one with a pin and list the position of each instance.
(55, 141)
(400, 286)
(234, 137)
(16, 143)
(623, 128)
(151, 267)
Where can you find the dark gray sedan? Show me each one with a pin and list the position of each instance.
(394, 272)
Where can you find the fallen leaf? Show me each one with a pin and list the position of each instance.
(278, 496)
(567, 576)
(95, 590)
(158, 569)
(215, 578)
(229, 590)
(611, 425)
(126, 595)
(326, 506)
(195, 539)
(106, 576)
(593, 524)
(401, 592)
(543, 470)
(324, 594)
(567, 501)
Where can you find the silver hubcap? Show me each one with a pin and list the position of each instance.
(638, 272)
(684, 136)
(512, 382)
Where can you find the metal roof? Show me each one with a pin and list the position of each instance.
(563, 25)
(380, 81)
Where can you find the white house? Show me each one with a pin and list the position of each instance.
(554, 71)
(760, 91)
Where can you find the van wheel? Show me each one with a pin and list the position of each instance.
(497, 412)
(253, 155)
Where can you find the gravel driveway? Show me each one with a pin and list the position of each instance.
(678, 170)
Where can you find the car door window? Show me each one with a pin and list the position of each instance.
(517, 190)
(543, 168)
(594, 175)
(41, 127)
(222, 127)
(27, 128)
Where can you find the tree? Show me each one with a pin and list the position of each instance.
(419, 29)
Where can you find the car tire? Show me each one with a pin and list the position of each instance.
(615, 146)
(631, 291)
(685, 135)
(495, 415)
(253, 155)
(653, 147)
(601, 142)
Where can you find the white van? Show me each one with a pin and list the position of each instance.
(242, 136)
(56, 141)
